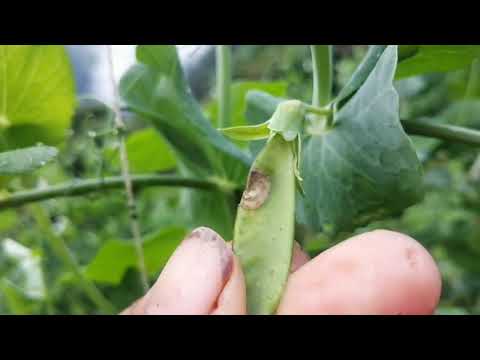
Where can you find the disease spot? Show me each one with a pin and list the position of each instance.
(257, 191)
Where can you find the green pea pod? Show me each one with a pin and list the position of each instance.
(264, 229)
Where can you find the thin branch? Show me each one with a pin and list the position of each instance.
(88, 186)
(443, 132)
(132, 207)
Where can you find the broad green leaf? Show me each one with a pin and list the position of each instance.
(148, 152)
(156, 89)
(424, 59)
(260, 106)
(365, 167)
(37, 91)
(239, 92)
(111, 262)
(22, 161)
(361, 74)
(160, 246)
(116, 257)
(464, 84)
(406, 51)
(25, 272)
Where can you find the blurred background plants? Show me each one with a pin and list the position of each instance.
(76, 256)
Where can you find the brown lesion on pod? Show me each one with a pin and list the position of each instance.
(257, 191)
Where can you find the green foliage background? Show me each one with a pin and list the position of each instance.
(34, 280)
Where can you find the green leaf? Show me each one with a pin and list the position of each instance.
(239, 92)
(424, 59)
(111, 262)
(160, 246)
(361, 74)
(22, 161)
(247, 133)
(148, 152)
(8, 220)
(364, 168)
(37, 91)
(116, 257)
(156, 89)
(260, 106)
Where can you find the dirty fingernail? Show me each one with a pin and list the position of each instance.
(194, 276)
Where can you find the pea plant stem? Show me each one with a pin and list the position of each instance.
(318, 111)
(322, 74)
(443, 132)
(224, 79)
(88, 186)
(132, 206)
(62, 251)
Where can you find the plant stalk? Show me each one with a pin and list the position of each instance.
(132, 206)
(83, 187)
(443, 132)
(322, 63)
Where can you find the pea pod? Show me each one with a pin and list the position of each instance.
(264, 228)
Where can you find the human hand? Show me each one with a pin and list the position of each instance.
(377, 273)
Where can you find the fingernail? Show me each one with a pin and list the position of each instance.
(194, 276)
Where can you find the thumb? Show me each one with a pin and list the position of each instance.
(202, 277)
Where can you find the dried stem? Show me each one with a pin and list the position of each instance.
(132, 207)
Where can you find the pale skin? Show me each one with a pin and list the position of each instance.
(377, 273)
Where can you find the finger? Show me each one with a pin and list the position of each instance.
(381, 272)
(299, 258)
(233, 299)
(135, 308)
(193, 278)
